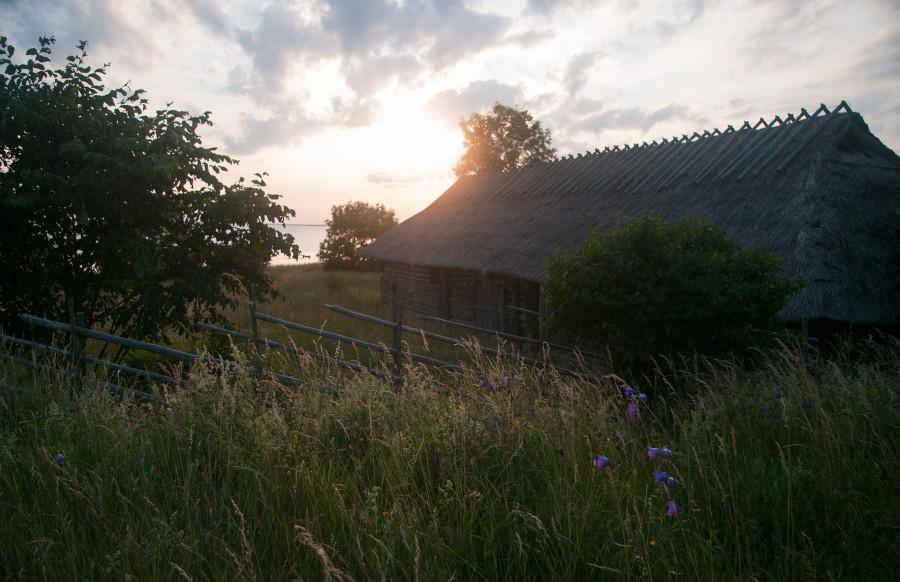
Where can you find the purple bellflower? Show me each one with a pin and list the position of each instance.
(633, 411)
(671, 508)
(601, 462)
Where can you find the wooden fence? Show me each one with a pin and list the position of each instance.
(392, 368)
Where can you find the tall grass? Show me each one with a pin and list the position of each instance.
(787, 472)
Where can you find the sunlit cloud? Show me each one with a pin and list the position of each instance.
(343, 99)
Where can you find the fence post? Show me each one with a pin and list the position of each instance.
(253, 328)
(76, 320)
(397, 337)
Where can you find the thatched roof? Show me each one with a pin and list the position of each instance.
(819, 190)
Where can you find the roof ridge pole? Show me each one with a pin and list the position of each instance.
(665, 159)
(706, 138)
(726, 147)
(527, 173)
(791, 135)
(546, 181)
(828, 118)
(784, 129)
(565, 184)
(754, 143)
(651, 151)
(674, 163)
(625, 157)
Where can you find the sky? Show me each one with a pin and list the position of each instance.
(344, 100)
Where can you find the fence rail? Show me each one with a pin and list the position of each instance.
(78, 333)
(511, 337)
(357, 343)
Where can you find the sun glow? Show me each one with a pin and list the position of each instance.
(406, 141)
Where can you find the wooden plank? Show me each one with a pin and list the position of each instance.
(353, 341)
(293, 349)
(146, 374)
(513, 337)
(99, 383)
(145, 346)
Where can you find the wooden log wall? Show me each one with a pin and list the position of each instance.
(464, 296)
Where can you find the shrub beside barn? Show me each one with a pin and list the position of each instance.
(819, 190)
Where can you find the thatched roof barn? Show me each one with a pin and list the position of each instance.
(820, 190)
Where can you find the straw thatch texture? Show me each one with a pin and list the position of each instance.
(820, 191)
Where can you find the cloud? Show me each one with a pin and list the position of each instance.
(548, 7)
(880, 60)
(256, 132)
(366, 77)
(370, 38)
(210, 14)
(637, 118)
(451, 105)
(529, 38)
(395, 179)
(101, 22)
(576, 74)
(371, 43)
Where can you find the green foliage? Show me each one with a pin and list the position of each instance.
(502, 140)
(652, 287)
(116, 208)
(351, 227)
(233, 480)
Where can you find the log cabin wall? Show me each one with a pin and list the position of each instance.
(448, 293)
(464, 295)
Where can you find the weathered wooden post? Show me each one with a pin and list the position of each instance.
(397, 336)
(253, 328)
(76, 342)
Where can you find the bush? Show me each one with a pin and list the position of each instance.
(653, 287)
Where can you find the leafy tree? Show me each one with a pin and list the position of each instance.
(116, 209)
(353, 226)
(653, 287)
(502, 140)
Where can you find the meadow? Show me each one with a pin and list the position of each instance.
(786, 471)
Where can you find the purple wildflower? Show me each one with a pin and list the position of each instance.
(671, 481)
(481, 383)
(629, 392)
(660, 476)
(653, 453)
(671, 508)
(642, 397)
(633, 411)
(505, 380)
(60, 458)
(602, 462)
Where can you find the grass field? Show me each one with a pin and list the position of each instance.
(785, 472)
